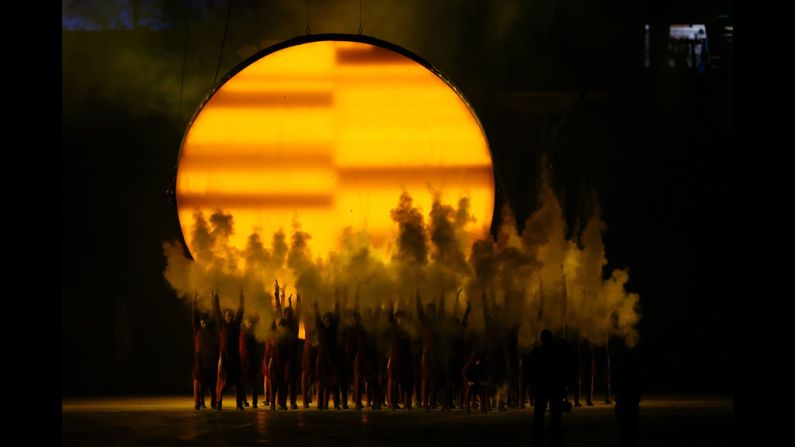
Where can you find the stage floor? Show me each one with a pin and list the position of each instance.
(156, 421)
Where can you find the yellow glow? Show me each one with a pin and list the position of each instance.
(329, 134)
(301, 330)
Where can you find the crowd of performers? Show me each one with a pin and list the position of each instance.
(382, 358)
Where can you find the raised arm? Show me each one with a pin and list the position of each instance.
(240, 307)
(298, 307)
(466, 314)
(456, 306)
(277, 301)
(284, 292)
(217, 308)
(391, 313)
(420, 310)
(318, 321)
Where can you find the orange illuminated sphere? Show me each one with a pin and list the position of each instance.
(329, 132)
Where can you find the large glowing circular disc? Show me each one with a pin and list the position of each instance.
(329, 133)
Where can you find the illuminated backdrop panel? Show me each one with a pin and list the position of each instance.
(329, 133)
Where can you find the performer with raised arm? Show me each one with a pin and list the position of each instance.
(229, 368)
(290, 351)
(248, 359)
(456, 356)
(272, 363)
(432, 372)
(205, 355)
(308, 363)
(327, 356)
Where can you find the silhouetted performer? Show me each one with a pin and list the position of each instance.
(579, 382)
(353, 338)
(510, 343)
(272, 367)
(248, 360)
(549, 377)
(495, 350)
(278, 363)
(289, 352)
(456, 356)
(308, 363)
(475, 375)
(205, 356)
(373, 359)
(525, 370)
(347, 347)
(229, 368)
(398, 366)
(628, 390)
(282, 359)
(432, 361)
(327, 357)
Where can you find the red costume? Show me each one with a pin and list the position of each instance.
(205, 357)
(229, 367)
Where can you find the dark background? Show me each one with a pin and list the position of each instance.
(556, 78)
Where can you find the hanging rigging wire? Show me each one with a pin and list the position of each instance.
(171, 189)
(223, 42)
(360, 17)
(184, 62)
(307, 17)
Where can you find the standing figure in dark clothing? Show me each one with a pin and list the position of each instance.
(229, 368)
(248, 359)
(347, 347)
(416, 365)
(282, 359)
(378, 366)
(289, 352)
(456, 356)
(366, 363)
(271, 363)
(327, 356)
(272, 366)
(475, 375)
(525, 394)
(205, 356)
(278, 364)
(549, 378)
(510, 343)
(352, 338)
(398, 366)
(432, 361)
(308, 363)
(495, 351)
(579, 382)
